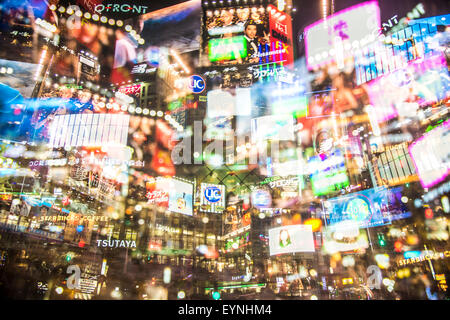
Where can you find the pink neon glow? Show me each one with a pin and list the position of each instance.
(337, 14)
(428, 184)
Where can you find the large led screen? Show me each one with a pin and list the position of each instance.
(180, 197)
(367, 208)
(332, 39)
(291, 239)
(430, 154)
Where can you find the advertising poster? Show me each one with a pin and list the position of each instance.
(235, 221)
(326, 41)
(237, 36)
(367, 208)
(158, 191)
(176, 27)
(281, 36)
(430, 154)
(180, 197)
(328, 173)
(212, 197)
(291, 239)
(78, 228)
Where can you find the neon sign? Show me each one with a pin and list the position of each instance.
(227, 49)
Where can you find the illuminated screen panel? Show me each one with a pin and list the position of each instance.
(344, 236)
(367, 208)
(291, 239)
(430, 154)
(326, 40)
(223, 27)
(328, 173)
(415, 41)
(180, 197)
(227, 48)
(76, 130)
(18, 75)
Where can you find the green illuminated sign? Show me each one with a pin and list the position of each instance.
(327, 182)
(227, 48)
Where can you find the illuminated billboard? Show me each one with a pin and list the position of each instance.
(333, 39)
(237, 36)
(398, 49)
(367, 208)
(291, 239)
(281, 31)
(343, 237)
(328, 173)
(180, 197)
(227, 49)
(430, 155)
(391, 95)
(212, 197)
(229, 102)
(75, 130)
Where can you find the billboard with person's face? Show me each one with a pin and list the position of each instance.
(237, 36)
(291, 239)
(180, 197)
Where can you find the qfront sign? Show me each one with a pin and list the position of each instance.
(122, 8)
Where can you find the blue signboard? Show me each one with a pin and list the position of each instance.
(197, 84)
(369, 208)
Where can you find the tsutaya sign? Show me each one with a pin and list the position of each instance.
(125, 8)
(116, 243)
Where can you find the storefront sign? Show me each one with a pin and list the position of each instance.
(125, 8)
(134, 89)
(197, 84)
(430, 256)
(212, 197)
(116, 243)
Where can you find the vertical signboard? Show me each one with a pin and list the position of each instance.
(213, 197)
(281, 33)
